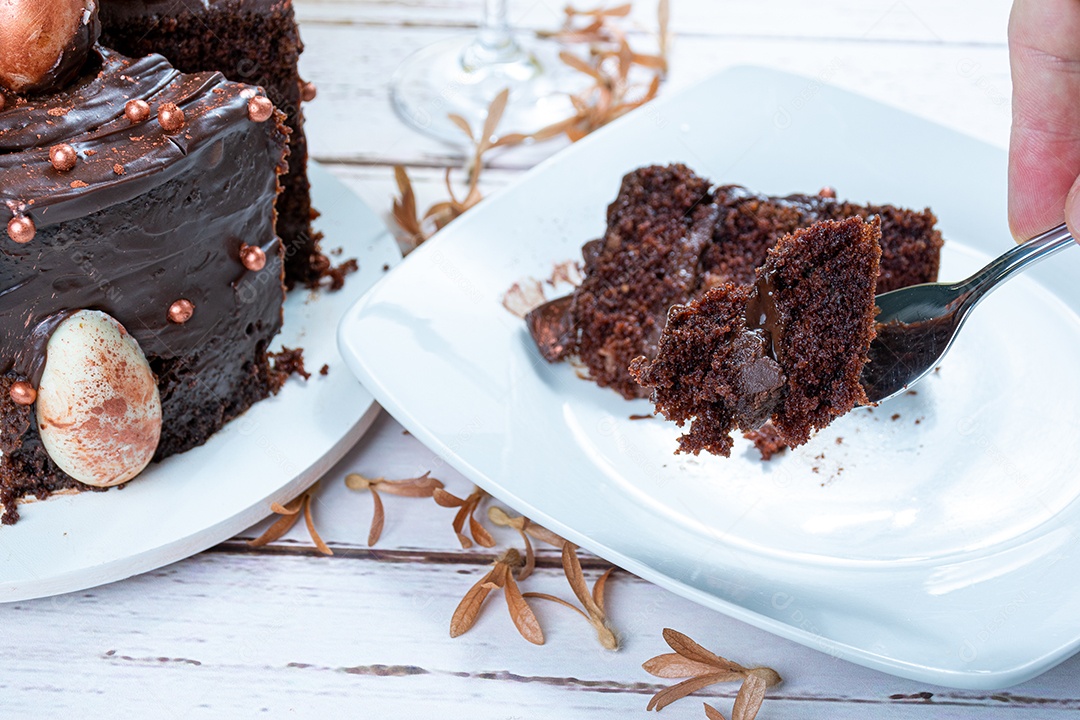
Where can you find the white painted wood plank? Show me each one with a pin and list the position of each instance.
(351, 121)
(230, 635)
(953, 21)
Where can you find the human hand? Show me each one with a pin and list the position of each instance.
(1044, 148)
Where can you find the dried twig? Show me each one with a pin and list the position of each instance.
(440, 214)
(417, 487)
(500, 576)
(466, 508)
(703, 668)
(290, 514)
(607, 59)
(593, 602)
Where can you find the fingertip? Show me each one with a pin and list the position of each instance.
(1072, 209)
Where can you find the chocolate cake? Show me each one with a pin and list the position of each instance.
(251, 41)
(790, 347)
(671, 236)
(138, 203)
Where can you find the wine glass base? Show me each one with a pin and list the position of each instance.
(460, 75)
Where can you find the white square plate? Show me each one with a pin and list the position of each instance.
(937, 541)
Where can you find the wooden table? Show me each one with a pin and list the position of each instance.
(282, 631)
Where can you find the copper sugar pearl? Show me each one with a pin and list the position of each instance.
(181, 311)
(307, 91)
(171, 118)
(253, 257)
(63, 157)
(21, 229)
(137, 111)
(22, 393)
(260, 108)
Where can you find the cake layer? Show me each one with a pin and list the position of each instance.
(251, 41)
(147, 216)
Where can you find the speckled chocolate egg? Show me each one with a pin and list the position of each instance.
(98, 408)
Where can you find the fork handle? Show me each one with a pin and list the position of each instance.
(1015, 260)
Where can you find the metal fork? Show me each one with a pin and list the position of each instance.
(917, 324)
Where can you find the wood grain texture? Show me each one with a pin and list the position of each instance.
(282, 631)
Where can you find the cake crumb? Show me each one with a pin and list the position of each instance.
(386, 267)
(839, 441)
(642, 417)
(324, 370)
(896, 416)
(337, 274)
(285, 363)
(767, 441)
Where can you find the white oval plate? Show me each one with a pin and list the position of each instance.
(939, 545)
(271, 453)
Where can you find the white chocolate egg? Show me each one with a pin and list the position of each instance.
(98, 408)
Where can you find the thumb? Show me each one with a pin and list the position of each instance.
(1072, 210)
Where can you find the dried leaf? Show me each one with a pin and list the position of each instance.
(290, 509)
(712, 713)
(678, 691)
(692, 651)
(703, 668)
(447, 500)
(404, 208)
(538, 532)
(469, 608)
(520, 612)
(672, 666)
(461, 123)
(770, 676)
(593, 613)
(530, 557)
(466, 508)
(418, 487)
(480, 533)
(501, 518)
(491, 122)
(459, 525)
(281, 526)
(617, 11)
(377, 519)
(749, 699)
(580, 65)
(599, 587)
(663, 21)
(576, 578)
(310, 522)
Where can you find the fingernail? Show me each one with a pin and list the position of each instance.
(1072, 209)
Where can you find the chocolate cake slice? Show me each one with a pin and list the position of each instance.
(255, 42)
(789, 348)
(141, 199)
(652, 256)
(658, 226)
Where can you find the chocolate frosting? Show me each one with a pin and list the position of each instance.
(115, 10)
(145, 218)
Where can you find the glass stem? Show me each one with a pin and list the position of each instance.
(495, 37)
